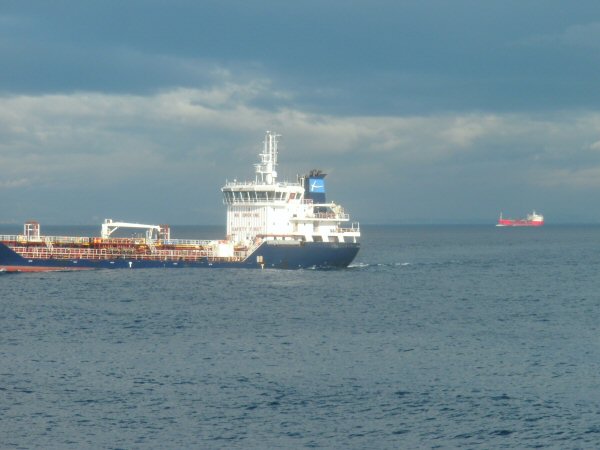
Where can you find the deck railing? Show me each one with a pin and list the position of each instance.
(44, 239)
(106, 254)
(21, 238)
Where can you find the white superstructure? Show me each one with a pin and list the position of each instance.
(535, 217)
(266, 209)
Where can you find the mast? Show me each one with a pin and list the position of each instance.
(265, 170)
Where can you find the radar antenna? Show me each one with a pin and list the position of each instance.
(265, 171)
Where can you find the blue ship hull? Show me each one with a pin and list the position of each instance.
(269, 255)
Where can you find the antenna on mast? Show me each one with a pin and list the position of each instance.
(265, 170)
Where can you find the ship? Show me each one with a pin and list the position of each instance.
(270, 224)
(532, 220)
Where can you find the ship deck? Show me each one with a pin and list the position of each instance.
(95, 248)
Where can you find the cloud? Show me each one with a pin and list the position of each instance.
(586, 35)
(578, 35)
(13, 184)
(49, 135)
(386, 59)
(579, 179)
(128, 155)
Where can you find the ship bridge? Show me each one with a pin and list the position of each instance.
(267, 207)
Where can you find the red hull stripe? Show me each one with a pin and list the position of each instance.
(519, 223)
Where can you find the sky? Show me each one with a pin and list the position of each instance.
(421, 112)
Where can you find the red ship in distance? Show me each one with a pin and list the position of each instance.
(532, 220)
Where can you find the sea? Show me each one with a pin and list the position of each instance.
(471, 337)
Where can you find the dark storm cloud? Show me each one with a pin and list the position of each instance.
(381, 57)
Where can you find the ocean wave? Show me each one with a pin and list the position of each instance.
(364, 265)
